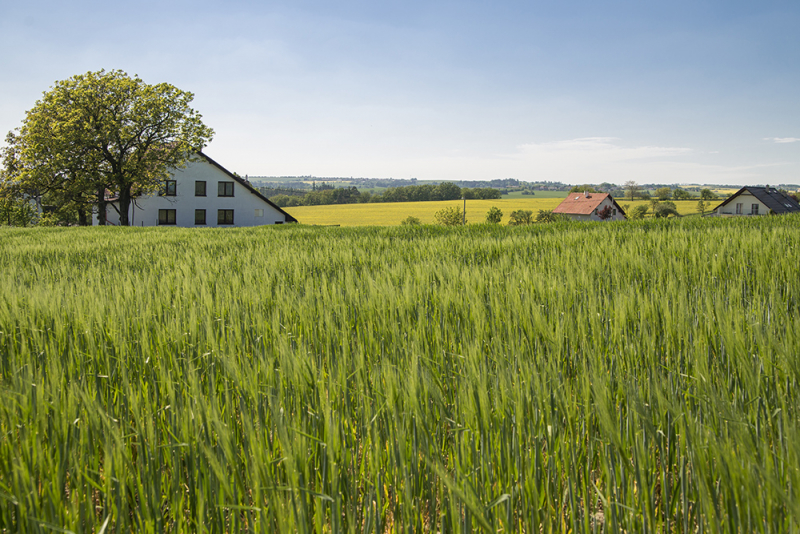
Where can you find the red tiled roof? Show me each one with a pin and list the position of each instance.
(580, 204)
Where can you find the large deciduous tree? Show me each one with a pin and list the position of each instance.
(103, 132)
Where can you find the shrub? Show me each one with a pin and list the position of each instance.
(410, 221)
(547, 216)
(451, 216)
(494, 215)
(665, 209)
(638, 212)
(520, 217)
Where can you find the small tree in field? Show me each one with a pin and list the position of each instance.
(450, 216)
(638, 212)
(494, 215)
(663, 193)
(702, 206)
(411, 221)
(520, 217)
(681, 194)
(665, 209)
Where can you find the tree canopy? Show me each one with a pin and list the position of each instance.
(103, 133)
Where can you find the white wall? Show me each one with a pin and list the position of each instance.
(243, 203)
(610, 203)
(746, 200)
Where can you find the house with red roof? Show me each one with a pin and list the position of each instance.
(591, 207)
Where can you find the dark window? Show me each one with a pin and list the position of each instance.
(754, 209)
(166, 216)
(170, 188)
(224, 216)
(200, 216)
(225, 189)
(199, 188)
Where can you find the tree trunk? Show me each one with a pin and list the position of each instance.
(82, 218)
(101, 206)
(124, 206)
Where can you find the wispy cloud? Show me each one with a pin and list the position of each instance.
(782, 140)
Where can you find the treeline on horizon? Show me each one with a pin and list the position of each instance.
(409, 193)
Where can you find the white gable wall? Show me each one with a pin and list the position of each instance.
(746, 200)
(145, 211)
(610, 203)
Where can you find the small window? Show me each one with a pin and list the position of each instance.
(259, 213)
(166, 217)
(754, 209)
(170, 188)
(225, 189)
(224, 216)
(200, 216)
(739, 208)
(200, 188)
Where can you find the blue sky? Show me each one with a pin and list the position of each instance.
(575, 91)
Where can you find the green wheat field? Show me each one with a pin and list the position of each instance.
(619, 377)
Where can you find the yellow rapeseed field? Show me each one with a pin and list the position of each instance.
(393, 213)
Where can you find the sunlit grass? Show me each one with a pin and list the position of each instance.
(620, 377)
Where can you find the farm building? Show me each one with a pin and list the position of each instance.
(751, 200)
(591, 207)
(203, 193)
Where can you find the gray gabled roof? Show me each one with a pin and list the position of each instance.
(247, 186)
(775, 200)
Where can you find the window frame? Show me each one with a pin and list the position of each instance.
(223, 187)
(170, 188)
(753, 209)
(198, 212)
(205, 188)
(222, 217)
(164, 217)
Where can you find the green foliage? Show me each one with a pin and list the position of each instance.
(17, 211)
(494, 215)
(631, 189)
(411, 221)
(480, 193)
(547, 216)
(470, 379)
(702, 206)
(638, 212)
(707, 194)
(520, 217)
(663, 193)
(450, 216)
(681, 194)
(584, 188)
(665, 209)
(103, 131)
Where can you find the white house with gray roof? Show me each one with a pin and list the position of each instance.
(751, 200)
(202, 194)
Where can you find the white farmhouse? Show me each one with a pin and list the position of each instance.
(751, 200)
(202, 194)
(590, 206)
